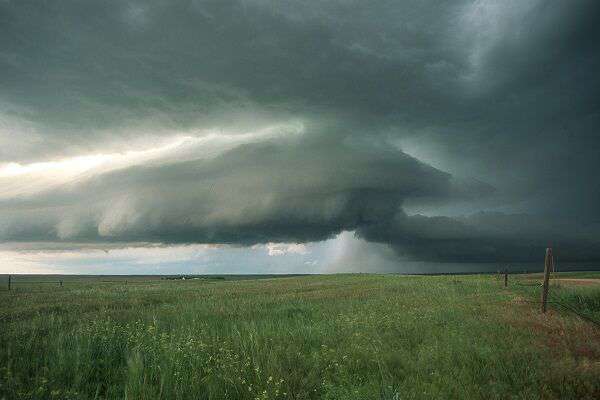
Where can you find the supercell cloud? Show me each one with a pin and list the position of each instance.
(456, 131)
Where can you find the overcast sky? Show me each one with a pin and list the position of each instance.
(259, 136)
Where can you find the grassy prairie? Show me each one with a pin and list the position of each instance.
(310, 337)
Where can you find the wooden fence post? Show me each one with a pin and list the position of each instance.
(505, 277)
(61, 283)
(9, 282)
(548, 264)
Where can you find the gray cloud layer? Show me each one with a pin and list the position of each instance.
(504, 93)
(291, 189)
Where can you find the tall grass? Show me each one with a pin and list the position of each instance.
(583, 300)
(337, 337)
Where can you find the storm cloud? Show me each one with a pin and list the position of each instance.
(446, 131)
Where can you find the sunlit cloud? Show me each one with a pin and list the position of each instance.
(27, 179)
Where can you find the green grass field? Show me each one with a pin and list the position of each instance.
(310, 337)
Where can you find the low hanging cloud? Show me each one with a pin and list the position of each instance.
(485, 237)
(296, 187)
(286, 187)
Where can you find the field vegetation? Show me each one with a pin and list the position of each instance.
(308, 337)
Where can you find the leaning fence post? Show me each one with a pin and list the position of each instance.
(9, 282)
(548, 266)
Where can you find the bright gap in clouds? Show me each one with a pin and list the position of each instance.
(339, 254)
(28, 179)
(70, 167)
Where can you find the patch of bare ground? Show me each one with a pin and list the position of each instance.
(578, 281)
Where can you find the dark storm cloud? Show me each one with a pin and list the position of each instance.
(291, 190)
(486, 237)
(79, 68)
(504, 93)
